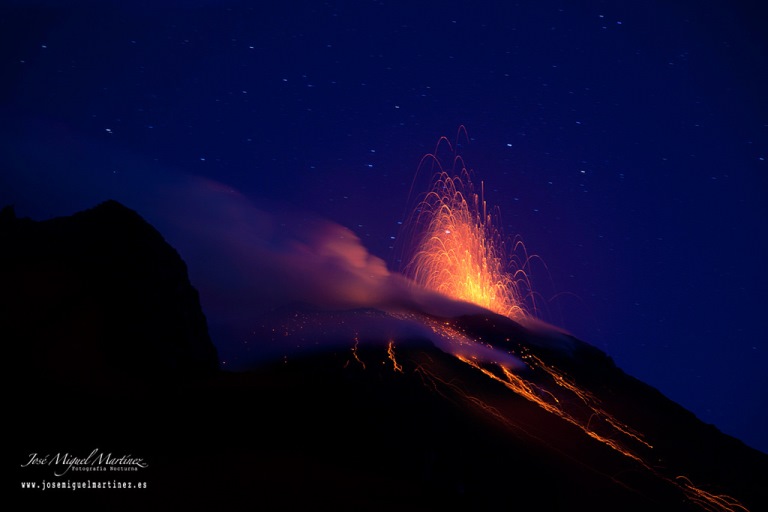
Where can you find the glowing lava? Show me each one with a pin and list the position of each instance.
(391, 354)
(459, 251)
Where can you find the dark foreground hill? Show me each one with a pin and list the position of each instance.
(114, 381)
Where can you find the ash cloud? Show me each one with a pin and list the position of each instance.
(246, 260)
(247, 263)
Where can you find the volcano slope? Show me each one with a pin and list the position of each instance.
(110, 351)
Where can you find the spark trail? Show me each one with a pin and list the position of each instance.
(460, 253)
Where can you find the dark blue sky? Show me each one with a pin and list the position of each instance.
(625, 142)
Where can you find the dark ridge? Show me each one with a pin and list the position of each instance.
(98, 297)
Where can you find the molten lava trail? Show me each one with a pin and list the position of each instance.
(460, 253)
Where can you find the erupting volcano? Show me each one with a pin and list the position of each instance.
(446, 370)
(254, 245)
(459, 251)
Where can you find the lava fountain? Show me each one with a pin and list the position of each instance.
(460, 252)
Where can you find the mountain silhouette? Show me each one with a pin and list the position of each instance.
(109, 350)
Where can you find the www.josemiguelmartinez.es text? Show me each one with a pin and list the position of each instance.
(82, 485)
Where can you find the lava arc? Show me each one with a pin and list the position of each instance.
(458, 250)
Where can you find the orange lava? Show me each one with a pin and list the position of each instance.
(458, 249)
(460, 253)
(391, 354)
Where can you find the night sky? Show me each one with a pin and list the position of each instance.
(626, 143)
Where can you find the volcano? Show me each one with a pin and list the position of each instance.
(362, 408)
